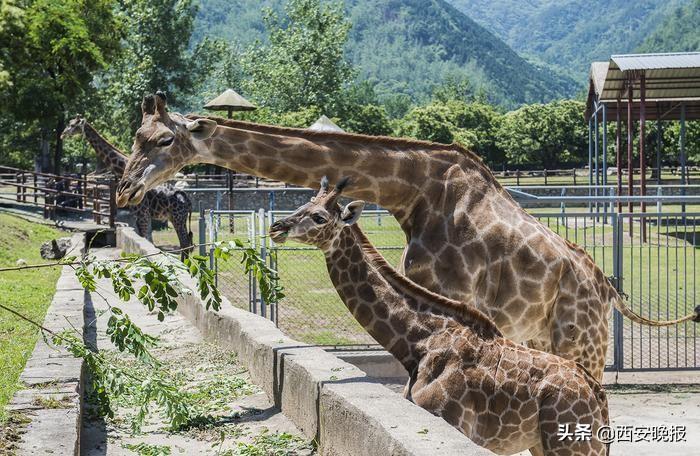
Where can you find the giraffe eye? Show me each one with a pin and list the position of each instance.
(318, 219)
(166, 141)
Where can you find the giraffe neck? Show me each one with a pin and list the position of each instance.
(105, 150)
(396, 312)
(399, 177)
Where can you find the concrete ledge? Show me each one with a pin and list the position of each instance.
(326, 397)
(376, 364)
(53, 378)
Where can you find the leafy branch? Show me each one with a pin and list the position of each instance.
(160, 290)
(267, 278)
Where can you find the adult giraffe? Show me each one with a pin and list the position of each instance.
(161, 203)
(467, 238)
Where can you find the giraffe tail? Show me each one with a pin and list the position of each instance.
(635, 317)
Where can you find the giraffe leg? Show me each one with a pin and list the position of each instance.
(143, 224)
(183, 235)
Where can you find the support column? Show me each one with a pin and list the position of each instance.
(604, 180)
(618, 144)
(630, 169)
(659, 144)
(642, 160)
(681, 141)
(595, 149)
(590, 158)
(605, 146)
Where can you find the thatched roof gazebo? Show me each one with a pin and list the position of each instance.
(230, 101)
(325, 124)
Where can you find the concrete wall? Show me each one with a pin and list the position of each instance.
(327, 398)
(51, 373)
(291, 198)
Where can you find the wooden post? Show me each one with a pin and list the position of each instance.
(545, 176)
(96, 204)
(113, 203)
(35, 188)
(517, 177)
(18, 180)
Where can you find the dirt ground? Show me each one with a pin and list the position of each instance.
(243, 421)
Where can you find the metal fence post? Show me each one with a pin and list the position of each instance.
(562, 206)
(252, 284)
(618, 325)
(202, 231)
(263, 253)
(212, 238)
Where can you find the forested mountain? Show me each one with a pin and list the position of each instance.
(570, 34)
(680, 31)
(407, 47)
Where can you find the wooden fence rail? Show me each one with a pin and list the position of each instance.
(54, 193)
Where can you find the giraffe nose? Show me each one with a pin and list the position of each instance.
(279, 225)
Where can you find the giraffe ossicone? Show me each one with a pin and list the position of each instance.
(503, 396)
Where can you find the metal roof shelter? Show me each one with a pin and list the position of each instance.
(325, 124)
(644, 87)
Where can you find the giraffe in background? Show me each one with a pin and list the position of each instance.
(162, 203)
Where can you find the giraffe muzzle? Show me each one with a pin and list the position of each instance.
(128, 194)
(279, 232)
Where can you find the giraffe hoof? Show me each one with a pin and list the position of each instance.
(696, 318)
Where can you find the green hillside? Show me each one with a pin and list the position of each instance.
(408, 47)
(678, 32)
(570, 34)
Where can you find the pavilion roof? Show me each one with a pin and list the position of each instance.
(671, 80)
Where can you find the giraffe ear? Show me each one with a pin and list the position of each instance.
(201, 129)
(351, 213)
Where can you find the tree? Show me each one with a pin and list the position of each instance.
(303, 65)
(156, 56)
(51, 51)
(545, 134)
(474, 125)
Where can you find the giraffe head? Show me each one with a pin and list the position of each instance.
(75, 127)
(164, 143)
(319, 221)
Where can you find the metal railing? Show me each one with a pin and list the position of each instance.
(657, 274)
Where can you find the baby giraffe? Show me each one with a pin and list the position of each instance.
(503, 396)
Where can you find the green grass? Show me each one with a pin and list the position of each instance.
(29, 291)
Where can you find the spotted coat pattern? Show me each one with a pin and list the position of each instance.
(502, 395)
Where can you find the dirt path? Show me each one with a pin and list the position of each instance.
(243, 419)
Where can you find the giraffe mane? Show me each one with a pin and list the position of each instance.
(452, 307)
(333, 135)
